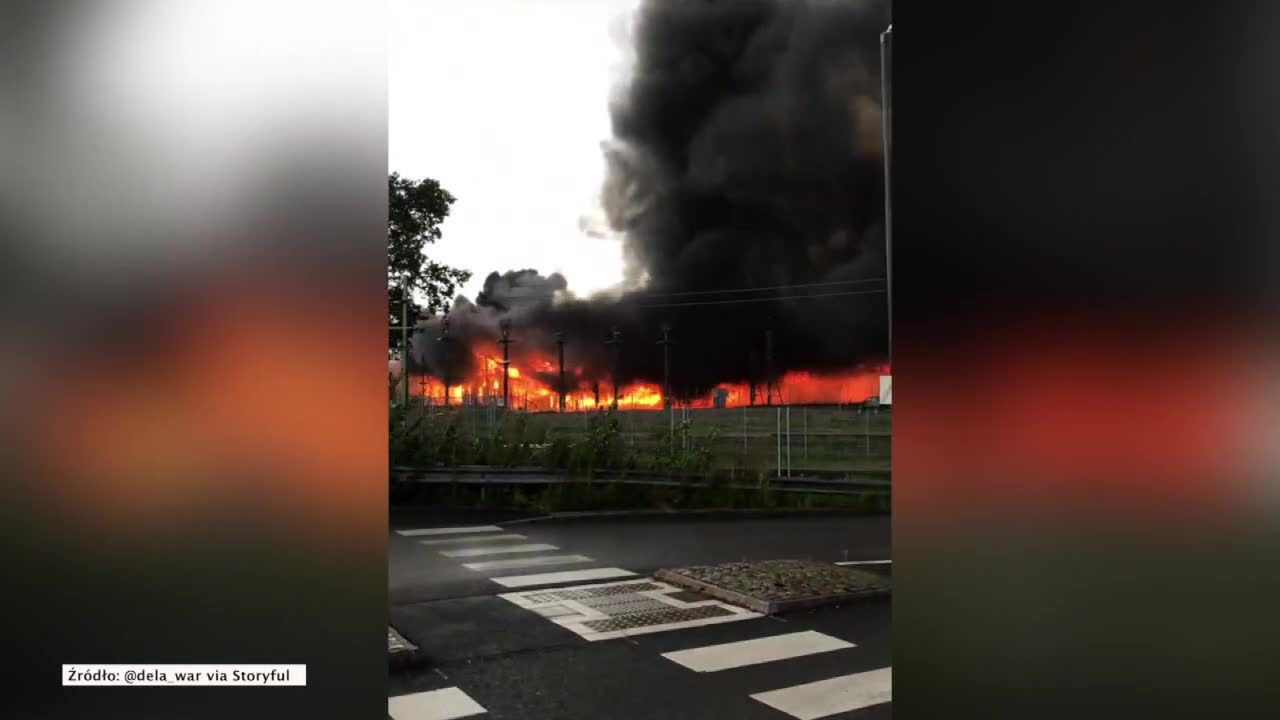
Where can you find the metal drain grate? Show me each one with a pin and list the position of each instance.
(658, 617)
(588, 593)
(628, 606)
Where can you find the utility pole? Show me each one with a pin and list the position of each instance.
(615, 339)
(444, 350)
(886, 130)
(665, 342)
(560, 355)
(404, 344)
(768, 364)
(506, 362)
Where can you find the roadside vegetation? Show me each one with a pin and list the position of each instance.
(732, 469)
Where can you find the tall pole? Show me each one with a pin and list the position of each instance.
(665, 342)
(768, 363)
(444, 375)
(506, 363)
(560, 356)
(404, 343)
(886, 130)
(615, 339)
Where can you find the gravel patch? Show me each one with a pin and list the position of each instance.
(778, 585)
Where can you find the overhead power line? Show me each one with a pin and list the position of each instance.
(642, 294)
(739, 301)
(797, 286)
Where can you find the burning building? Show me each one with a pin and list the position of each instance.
(745, 177)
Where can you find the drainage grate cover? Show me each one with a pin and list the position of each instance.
(660, 617)
(593, 592)
(631, 607)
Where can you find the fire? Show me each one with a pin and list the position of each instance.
(533, 387)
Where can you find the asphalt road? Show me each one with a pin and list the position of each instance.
(515, 663)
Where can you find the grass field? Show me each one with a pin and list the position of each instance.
(817, 439)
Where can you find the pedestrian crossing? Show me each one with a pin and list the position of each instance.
(479, 541)
(446, 704)
(555, 578)
(820, 698)
(471, 539)
(449, 530)
(835, 695)
(603, 612)
(538, 561)
(498, 550)
(726, 656)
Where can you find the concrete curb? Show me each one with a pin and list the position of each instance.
(766, 607)
(401, 654)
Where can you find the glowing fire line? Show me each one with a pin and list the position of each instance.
(529, 392)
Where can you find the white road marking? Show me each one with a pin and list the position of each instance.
(449, 530)
(555, 611)
(648, 596)
(497, 550)
(519, 581)
(713, 658)
(828, 697)
(445, 704)
(866, 562)
(471, 539)
(515, 563)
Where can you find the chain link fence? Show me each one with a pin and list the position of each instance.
(839, 441)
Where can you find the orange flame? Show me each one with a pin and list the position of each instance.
(536, 390)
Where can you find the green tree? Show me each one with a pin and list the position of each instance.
(415, 210)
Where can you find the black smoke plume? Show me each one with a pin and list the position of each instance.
(746, 153)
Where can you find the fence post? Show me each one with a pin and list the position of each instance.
(788, 441)
(778, 434)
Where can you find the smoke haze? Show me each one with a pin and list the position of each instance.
(746, 153)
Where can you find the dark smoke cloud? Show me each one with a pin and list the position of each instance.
(746, 154)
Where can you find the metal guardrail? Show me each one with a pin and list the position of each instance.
(485, 475)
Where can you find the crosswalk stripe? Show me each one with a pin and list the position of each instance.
(449, 530)
(519, 581)
(471, 539)
(497, 550)
(828, 697)
(713, 658)
(445, 704)
(527, 562)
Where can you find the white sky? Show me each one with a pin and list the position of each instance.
(505, 102)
